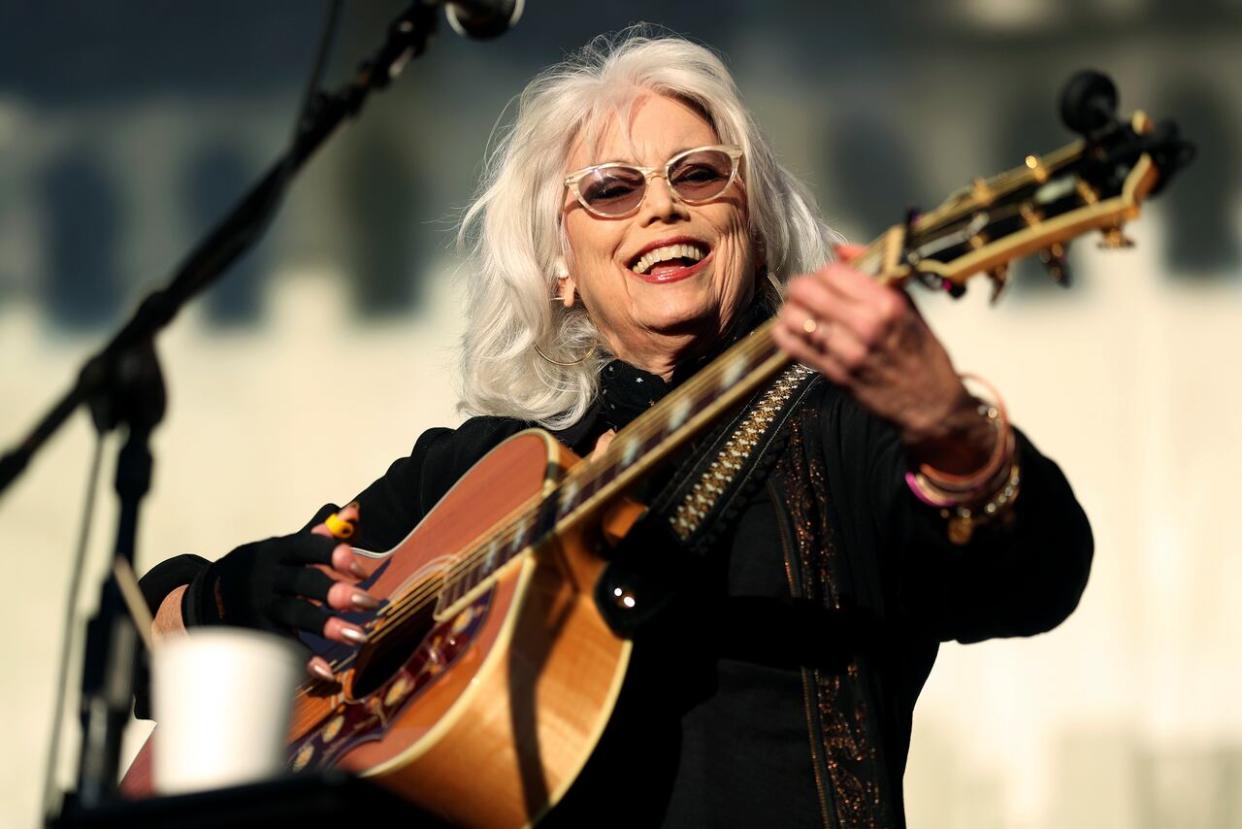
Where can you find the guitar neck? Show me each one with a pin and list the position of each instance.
(666, 427)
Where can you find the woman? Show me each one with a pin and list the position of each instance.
(632, 225)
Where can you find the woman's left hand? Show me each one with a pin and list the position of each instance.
(870, 339)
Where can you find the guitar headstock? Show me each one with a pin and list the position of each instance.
(1097, 183)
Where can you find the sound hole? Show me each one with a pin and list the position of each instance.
(390, 649)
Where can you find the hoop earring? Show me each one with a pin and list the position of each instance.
(590, 353)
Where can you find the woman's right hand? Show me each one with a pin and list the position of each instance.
(286, 584)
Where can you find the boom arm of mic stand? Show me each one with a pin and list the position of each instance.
(407, 38)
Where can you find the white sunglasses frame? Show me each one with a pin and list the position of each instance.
(572, 180)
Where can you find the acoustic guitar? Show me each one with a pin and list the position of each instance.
(490, 671)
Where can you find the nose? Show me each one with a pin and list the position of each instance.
(661, 204)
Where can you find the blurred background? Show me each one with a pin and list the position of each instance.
(126, 129)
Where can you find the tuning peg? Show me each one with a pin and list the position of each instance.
(1114, 239)
(1036, 165)
(1000, 278)
(1053, 258)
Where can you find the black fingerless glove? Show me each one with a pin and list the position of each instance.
(265, 585)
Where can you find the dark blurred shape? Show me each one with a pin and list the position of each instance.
(1089, 103)
(871, 171)
(383, 194)
(1200, 208)
(83, 51)
(1190, 783)
(1030, 123)
(216, 179)
(83, 286)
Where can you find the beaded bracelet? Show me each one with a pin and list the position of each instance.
(962, 520)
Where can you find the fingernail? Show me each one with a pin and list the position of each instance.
(356, 569)
(322, 672)
(363, 601)
(354, 634)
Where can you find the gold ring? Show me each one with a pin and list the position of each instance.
(338, 526)
(810, 325)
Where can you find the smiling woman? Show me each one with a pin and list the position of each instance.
(632, 226)
(658, 315)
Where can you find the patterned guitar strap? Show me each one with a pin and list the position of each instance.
(698, 505)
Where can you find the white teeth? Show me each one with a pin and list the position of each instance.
(654, 257)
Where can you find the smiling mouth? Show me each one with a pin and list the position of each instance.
(669, 263)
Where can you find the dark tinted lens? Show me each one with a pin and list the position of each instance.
(613, 190)
(701, 175)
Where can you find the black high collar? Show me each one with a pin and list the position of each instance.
(626, 391)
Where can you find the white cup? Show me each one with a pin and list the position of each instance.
(222, 700)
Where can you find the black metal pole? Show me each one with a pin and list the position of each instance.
(123, 386)
(133, 396)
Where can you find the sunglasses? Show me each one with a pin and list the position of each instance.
(617, 189)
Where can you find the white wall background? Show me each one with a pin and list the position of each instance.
(1125, 716)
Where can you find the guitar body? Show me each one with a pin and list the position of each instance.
(484, 716)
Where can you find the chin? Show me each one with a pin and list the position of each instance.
(688, 315)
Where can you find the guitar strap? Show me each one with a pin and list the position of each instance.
(698, 506)
(707, 494)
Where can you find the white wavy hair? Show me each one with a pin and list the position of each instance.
(512, 229)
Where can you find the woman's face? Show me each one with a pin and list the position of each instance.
(653, 316)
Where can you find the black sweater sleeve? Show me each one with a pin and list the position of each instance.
(1017, 579)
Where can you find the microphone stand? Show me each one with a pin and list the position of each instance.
(122, 385)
